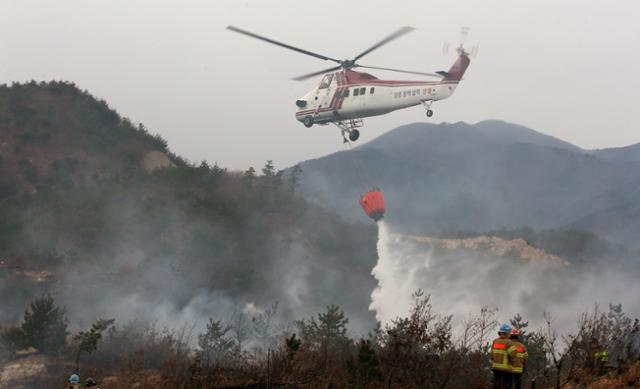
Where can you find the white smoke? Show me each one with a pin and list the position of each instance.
(462, 282)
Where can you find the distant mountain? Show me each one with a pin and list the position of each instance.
(433, 138)
(482, 177)
(620, 155)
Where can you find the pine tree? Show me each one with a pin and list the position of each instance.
(328, 331)
(365, 367)
(519, 323)
(269, 169)
(44, 326)
(216, 344)
(88, 340)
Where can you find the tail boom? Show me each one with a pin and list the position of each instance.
(458, 68)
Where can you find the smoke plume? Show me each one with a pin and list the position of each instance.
(460, 282)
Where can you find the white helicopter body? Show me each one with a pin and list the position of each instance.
(345, 96)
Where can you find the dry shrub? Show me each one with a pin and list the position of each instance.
(418, 351)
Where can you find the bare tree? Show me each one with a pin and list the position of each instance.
(263, 325)
(240, 326)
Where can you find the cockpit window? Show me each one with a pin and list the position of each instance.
(326, 81)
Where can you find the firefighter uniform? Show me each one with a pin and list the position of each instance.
(518, 356)
(500, 359)
(600, 357)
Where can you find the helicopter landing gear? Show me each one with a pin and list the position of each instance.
(308, 121)
(427, 106)
(348, 128)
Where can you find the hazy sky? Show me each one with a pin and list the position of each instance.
(565, 68)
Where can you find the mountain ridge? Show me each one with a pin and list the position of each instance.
(620, 155)
(478, 177)
(500, 132)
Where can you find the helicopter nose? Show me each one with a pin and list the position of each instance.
(301, 103)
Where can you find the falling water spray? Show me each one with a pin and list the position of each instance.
(462, 279)
(396, 271)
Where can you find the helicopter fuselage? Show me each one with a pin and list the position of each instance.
(349, 94)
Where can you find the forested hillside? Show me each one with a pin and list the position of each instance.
(99, 213)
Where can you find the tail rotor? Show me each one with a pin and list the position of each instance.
(461, 49)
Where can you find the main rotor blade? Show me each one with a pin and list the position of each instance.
(403, 71)
(306, 76)
(286, 46)
(395, 35)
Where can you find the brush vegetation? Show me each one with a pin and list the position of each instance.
(416, 351)
(85, 223)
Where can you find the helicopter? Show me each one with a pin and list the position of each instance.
(345, 96)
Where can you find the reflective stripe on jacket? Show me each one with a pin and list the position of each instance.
(602, 356)
(499, 355)
(517, 357)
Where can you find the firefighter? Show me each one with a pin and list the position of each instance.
(518, 356)
(600, 356)
(502, 377)
(74, 382)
